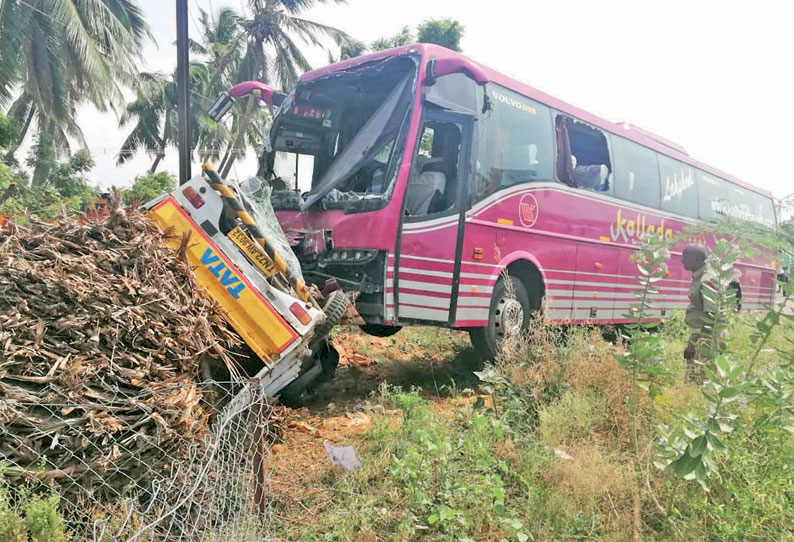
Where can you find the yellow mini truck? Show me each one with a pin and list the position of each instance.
(272, 310)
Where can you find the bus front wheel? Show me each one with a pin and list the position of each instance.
(509, 313)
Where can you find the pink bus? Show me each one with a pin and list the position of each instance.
(417, 177)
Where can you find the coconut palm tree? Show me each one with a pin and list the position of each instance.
(272, 54)
(154, 111)
(58, 54)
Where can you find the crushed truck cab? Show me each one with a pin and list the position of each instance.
(234, 267)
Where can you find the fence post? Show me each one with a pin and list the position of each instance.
(260, 452)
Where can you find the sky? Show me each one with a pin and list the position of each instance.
(713, 76)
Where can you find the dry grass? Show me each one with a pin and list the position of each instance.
(596, 480)
(592, 476)
(530, 359)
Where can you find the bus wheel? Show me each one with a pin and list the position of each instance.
(509, 313)
(380, 330)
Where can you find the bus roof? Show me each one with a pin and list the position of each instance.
(483, 73)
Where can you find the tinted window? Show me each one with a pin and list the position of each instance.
(679, 194)
(514, 142)
(747, 205)
(712, 196)
(636, 172)
(766, 209)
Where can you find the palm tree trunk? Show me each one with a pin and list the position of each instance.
(13, 149)
(226, 156)
(156, 162)
(239, 141)
(44, 162)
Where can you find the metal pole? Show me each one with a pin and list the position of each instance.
(183, 90)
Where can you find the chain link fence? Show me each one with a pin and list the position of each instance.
(120, 474)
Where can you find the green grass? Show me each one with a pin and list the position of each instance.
(448, 466)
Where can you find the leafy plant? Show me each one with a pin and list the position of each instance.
(642, 357)
(35, 517)
(149, 186)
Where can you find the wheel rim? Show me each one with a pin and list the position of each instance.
(509, 317)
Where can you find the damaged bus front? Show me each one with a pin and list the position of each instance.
(359, 155)
(334, 157)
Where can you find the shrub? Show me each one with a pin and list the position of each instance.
(149, 186)
(575, 417)
(34, 518)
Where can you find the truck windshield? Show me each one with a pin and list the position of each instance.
(352, 126)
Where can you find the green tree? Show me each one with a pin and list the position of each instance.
(149, 186)
(69, 179)
(273, 55)
(444, 32)
(9, 131)
(224, 43)
(405, 37)
(58, 54)
(154, 114)
(349, 50)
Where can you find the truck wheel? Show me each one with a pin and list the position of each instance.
(507, 314)
(335, 308)
(326, 360)
(329, 359)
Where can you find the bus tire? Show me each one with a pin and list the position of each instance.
(506, 313)
(380, 330)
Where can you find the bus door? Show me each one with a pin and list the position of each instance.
(427, 259)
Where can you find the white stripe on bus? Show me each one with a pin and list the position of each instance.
(429, 223)
(421, 313)
(425, 272)
(465, 301)
(424, 258)
(425, 286)
(469, 313)
(424, 301)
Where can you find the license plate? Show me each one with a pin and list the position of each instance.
(254, 252)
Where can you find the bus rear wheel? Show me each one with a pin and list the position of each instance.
(509, 313)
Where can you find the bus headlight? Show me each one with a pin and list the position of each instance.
(349, 256)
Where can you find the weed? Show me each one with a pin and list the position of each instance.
(575, 417)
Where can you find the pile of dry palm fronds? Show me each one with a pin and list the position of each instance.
(101, 331)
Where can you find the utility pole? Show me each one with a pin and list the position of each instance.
(183, 90)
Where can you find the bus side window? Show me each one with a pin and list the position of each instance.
(434, 181)
(582, 155)
(514, 143)
(636, 173)
(750, 206)
(712, 196)
(679, 194)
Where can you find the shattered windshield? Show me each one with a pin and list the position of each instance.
(352, 127)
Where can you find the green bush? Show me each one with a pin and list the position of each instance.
(149, 186)
(34, 517)
(67, 189)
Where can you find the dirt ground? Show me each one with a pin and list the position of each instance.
(338, 412)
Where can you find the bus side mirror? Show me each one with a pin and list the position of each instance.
(220, 107)
(430, 72)
(264, 92)
(226, 100)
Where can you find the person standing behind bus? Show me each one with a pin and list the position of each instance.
(699, 309)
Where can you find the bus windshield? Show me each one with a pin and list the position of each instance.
(352, 125)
